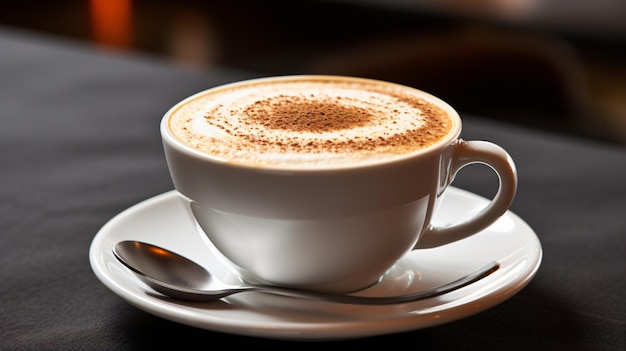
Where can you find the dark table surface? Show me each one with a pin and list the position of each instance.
(79, 143)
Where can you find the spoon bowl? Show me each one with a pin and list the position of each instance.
(180, 278)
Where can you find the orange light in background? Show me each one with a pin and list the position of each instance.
(111, 22)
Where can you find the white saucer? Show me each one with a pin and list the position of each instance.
(164, 221)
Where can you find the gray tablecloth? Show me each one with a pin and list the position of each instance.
(79, 143)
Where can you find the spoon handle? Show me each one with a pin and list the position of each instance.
(385, 300)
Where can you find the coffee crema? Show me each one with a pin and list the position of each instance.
(304, 122)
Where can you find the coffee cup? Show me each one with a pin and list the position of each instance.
(323, 182)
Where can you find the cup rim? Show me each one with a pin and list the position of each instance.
(453, 135)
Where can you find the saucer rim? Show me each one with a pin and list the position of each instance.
(101, 261)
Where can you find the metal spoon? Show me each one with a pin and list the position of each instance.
(178, 277)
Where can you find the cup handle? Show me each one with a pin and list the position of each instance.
(465, 153)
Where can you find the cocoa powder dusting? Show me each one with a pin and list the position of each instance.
(318, 115)
(297, 114)
(305, 115)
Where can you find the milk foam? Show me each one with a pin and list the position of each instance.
(309, 122)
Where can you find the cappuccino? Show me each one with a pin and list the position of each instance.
(312, 121)
(322, 182)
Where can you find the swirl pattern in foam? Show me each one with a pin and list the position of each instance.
(309, 122)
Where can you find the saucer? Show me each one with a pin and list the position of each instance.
(164, 220)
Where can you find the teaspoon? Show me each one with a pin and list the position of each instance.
(180, 278)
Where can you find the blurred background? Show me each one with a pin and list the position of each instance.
(557, 65)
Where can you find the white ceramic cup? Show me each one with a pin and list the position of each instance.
(335, 229)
